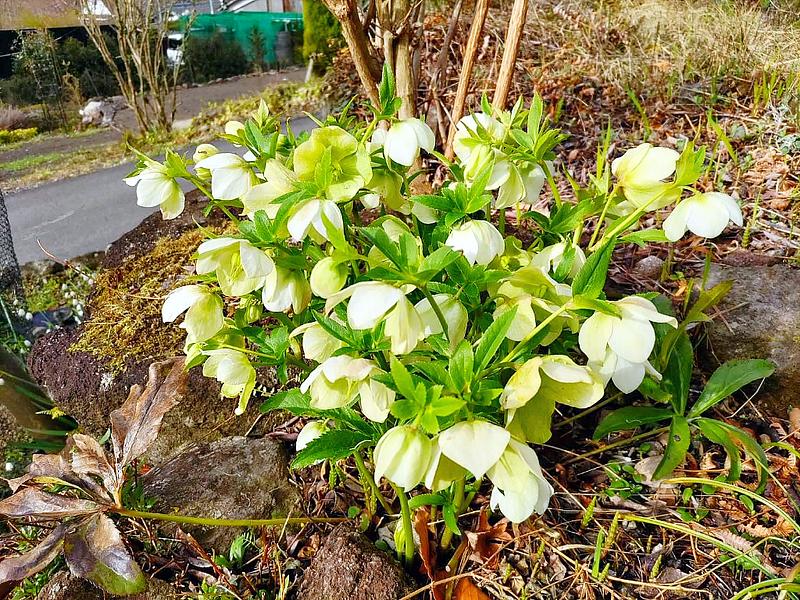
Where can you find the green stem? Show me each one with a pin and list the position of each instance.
(627, 222)
(210, 522)
(458, 504)
(518, 349)
(408, 531)
(602, 216)
(617, 444)
(367, 476)
(588, 411)
(437, 311)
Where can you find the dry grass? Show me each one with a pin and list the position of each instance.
(656, 46)
(12, 118)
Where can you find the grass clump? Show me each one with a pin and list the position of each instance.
(125, 310)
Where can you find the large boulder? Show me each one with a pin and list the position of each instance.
(231, 478)
(349, 567)
(88, 370)
(63, 586)
(760, 318)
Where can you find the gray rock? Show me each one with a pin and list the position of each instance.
(231, 478)
(349, 567)
(649, 267)
(760, 319)
(63, 586)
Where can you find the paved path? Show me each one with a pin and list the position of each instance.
(84, 214)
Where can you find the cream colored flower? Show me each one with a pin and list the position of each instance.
(405, 139)
(156, 187)
(239, 266)
(641, 172)
(402, 455)
(204, 311)
(520, 488)
(479, 241)
(705, 215)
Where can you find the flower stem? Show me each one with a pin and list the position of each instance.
(408, 531)
(458, 504)
(437, 311)
(211, 522)
(367, 476)
(602, 216)
(518, 349)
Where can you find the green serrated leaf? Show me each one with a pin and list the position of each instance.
(332, 445)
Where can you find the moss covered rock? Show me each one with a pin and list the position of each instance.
(64, 586)
(89, 369)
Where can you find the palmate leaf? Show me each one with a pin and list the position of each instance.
(335, 444)
(95, 551)
(17, 568)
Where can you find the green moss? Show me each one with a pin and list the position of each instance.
(125, 309)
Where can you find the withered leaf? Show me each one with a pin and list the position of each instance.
(89, 459)
(94, 550)
(30, 502)
(18, 568)
(487, 540)
(135, 424)
(466, 590)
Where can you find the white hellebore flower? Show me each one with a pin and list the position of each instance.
(475, 445)
(338, 380)
(285, 289)
(455, 315)
(531, 394)
(442, 471)
(279, 181)
(374, 301)
(480, 241)
(240, 267)
(234, 371)
(308, 218)
(475, 152)
(156, 187)
(404, 140)
(328, 277)
(402, 455)
(641, 172)
(204, 314)
(629, 337)
(520, 488)
(231, 175)
(318, 344)
(310, 431)
(550, 257)
(705, 215)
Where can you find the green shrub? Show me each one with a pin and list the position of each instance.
(84, 61)
(16, 135)
(208, 58)
(322, 34)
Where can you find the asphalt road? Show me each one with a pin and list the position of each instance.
(83, 214)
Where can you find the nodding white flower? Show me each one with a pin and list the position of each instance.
(705, 215)
(335, 383)
(376, 400)
(535, 296)
(385, 187)
(307, 218)
(479, 241)
(522, 185)
(532, 392)
(318, 344)
(550, 257)
(350, 161)
(328, 277)
(630, 337)
(204, 311)
(279, 181)
(234, 127)
(234, 371)
(520, 488)
(455, 315)
(374, 301)
(641, 172)
(286, 290)
(476, 152)
(155, 186)
(475, 445)
(203, 151)
(627, 376)
(402, 455)
(442, 471)
(404, 140)
(310, 431)
(240, 267)
(231, 175)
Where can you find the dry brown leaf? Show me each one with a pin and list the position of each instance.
(135, 424)
(794, 421)
(30, 502)
(487, 540)
(466, 590)
(89, 459)
(427, 552)
(18, 568)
